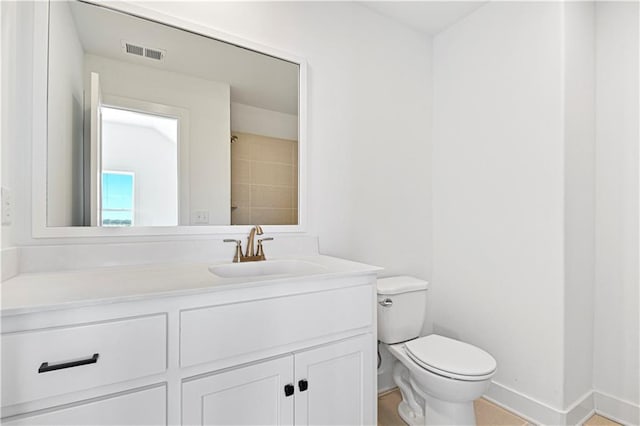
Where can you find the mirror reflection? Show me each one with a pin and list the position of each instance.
(149, 125)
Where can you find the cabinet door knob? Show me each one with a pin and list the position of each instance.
(303, 385)
(288, 389)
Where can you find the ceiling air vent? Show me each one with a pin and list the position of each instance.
(147, 52)
(153, 54)
(133, 49)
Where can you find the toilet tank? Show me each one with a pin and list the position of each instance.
(402, 303)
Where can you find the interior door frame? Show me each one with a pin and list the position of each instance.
(95, 151)
(171, 111)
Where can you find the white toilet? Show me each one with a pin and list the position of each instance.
(439, 377)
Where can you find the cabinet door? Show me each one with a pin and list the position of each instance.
(252, 395)
(142, 407)
(339, 381)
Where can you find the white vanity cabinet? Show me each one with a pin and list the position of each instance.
(289, 351)
(260, 325)
(251, 395)
(339, 383)
(326, 385)
(47, 362)
(134, 408)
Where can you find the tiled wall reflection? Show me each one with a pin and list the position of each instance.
(264, 180)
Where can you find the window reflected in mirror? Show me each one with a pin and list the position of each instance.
(117, 198)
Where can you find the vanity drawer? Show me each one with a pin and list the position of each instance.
(42, 363)
(137, 407)
(219, 332)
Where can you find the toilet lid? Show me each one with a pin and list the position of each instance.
(451, 358)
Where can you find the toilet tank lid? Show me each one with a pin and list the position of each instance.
(401, 284)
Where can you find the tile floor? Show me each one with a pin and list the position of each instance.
(487, 413)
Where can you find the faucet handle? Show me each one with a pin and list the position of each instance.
(238, 255)
(260, 251)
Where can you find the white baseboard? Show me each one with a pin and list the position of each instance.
(386, 391)
(581, 410)
(385, 370)
(386, 388)
(538, 412)
(532, 410)
(619, 410)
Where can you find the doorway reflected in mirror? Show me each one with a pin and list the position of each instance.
(139, 168)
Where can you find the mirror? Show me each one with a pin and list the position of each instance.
(150, 125)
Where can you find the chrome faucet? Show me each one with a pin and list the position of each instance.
(249, 255)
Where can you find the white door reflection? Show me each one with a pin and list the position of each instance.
(139, 168)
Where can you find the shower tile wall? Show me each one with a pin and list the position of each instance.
(264, 180)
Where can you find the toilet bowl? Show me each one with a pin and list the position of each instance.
(446, 393)
(438, 377)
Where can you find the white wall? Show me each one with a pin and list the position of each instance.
(579, 193)
(209, 133)
(8, 32)
(260, 121)
(616, 358)
(153, 158)
(498, 191)
(16, 130)
(65, 153)
(529, 196)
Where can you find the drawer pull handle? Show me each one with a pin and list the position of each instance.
(44, 367)
(303, 385)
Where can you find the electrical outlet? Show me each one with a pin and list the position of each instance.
(7, 206)
(200, 217)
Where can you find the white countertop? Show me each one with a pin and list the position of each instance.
(43, 291)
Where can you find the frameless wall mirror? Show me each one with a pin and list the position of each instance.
(150, 125)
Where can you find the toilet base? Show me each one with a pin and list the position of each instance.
(438, 412)
(409, 416)
(429, 399)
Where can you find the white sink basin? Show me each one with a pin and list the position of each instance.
(266, 268)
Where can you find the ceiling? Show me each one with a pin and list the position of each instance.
(256, 79)
(429, 17)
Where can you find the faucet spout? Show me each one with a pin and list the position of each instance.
(256, 230)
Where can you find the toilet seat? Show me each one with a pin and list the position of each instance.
(451, 358)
